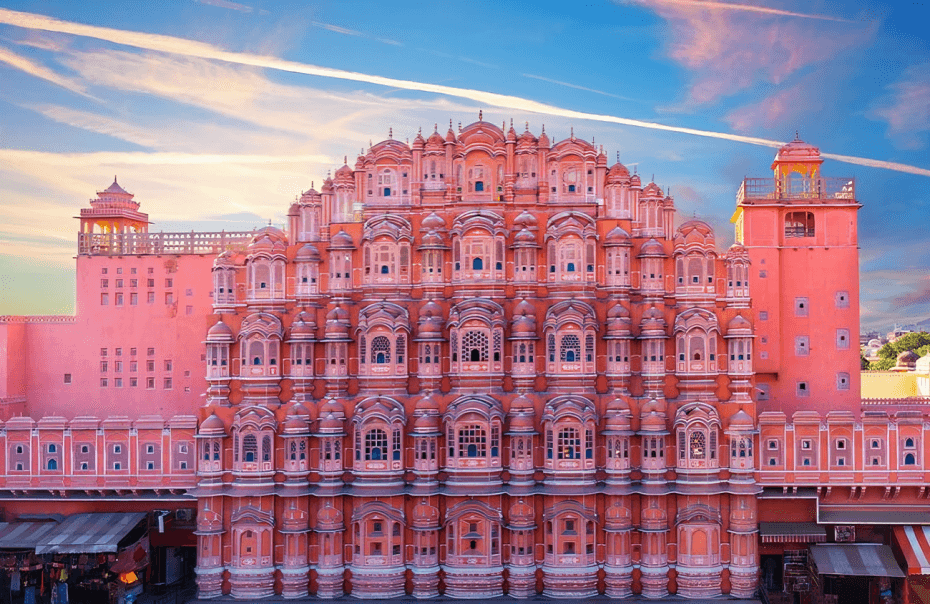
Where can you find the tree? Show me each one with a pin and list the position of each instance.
(916, 341)
(881, 365)
(863, 363)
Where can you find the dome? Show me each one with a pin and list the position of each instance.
(523, 326)
(617, 236)
(295, 424)
(797, 150)
(212, 426)
(344, 172)
(426, 423)
(310, 196)
(301, 330)
(635, 181)
(522, 515)
(617, 173)
(652, 190)
(425, 515)
(738, 326)
(435, 139)
(330, 423)
(543, 140)
(337, 322)
(741, 420)
(418, 140)
(874, 343)
(327, 186)
(617, 311)
(526, 219)
(226, 259)
(308, 253)
(220, 333)
(450, 135)
(525, 307)
(342, 240)
(652, 248)
(427, 403)
(652, 422)
(432, 240)
(332, 406)
(433, 221)
(299, 409)
(329, 518)
(524, 236)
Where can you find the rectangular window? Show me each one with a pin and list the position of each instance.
(168, 365)
(188, 292)
(133, 283)
(133, 366)
(132, 271)
(119, 283)
(842, 339)
(167, 383)
(150, 383)
(802, 389)
(169, 298)
(103, 271)
(133, 382)
(104, 299)
(103, 382)
(150, 298)
(119, 299)
(764, 391)
(189, 310)
(802, 345)
(118, 352)
(119, 271)
(842, 299)
(104, 283)
(150, 352)
(800, 307)
(133, 299)
(67, 378)
(118, 382)
(150, 282)
(118, 366)
(150, 365)
(169, 283)
(842, 381)
(103, 352)
(132, 352)
(104, 367)
(763, 315)
(150, 271)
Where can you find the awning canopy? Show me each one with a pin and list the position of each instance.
(24, 535)
(856, 559)
(792, 532)
(88, 533)
(883, 515)
(914, 542)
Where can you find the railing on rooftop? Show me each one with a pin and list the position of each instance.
(134, 244)
(825, 188)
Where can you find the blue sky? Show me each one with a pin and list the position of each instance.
(221, 119)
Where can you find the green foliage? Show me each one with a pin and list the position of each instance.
(882, 365)
(917, 341)
(863, 363)
(923, 351)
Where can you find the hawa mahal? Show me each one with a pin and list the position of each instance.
(482, 363)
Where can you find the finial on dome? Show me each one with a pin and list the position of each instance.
(114, 178)
(511, 122)
(527, 125)
(419, 129)
(480, 115)
(391, 133)
(269, 222)
(460, 126)
(450, 123)
(345, 160)
(311, 184)
(436, 126)
(543, 128)
(618, 157)
(573, 132)
(797, 137)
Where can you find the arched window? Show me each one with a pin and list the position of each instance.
(375, 445)
(910, 459)
(380, 350)
(53, 464)
(475, 346)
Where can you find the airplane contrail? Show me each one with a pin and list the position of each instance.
(710, 4)
(192, 48)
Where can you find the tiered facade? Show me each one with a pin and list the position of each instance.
(477, 365)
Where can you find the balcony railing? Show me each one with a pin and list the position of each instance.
(825, 188)
(134, 244)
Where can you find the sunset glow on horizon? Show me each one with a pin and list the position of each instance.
(217, 114)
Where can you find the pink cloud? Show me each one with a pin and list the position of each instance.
(907, 108)
(778, 110)
(918, 296)
(729, 50)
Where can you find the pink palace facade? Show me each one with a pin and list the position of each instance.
(482, 363)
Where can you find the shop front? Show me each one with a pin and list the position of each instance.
(855, 573)
(911, 546)
(87, 558)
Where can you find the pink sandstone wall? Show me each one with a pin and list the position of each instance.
(173, 330)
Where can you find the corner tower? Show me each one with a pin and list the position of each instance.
(800, 230)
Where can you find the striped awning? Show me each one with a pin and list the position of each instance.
(856, 559)
(792, 532)
(24, 535)
(914, 542)
(89, 533)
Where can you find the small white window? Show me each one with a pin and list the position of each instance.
(802, 346)
(806, 444)
(182, 448)
(841, 443)
(85, 449)
(150, 449)
(842, 339)
(842, 299)
(117, 449)
(150, 465)
(117, 465)
(83, 465)
(842, 381)
(803, 389)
